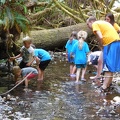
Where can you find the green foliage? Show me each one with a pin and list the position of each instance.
(21, 23)
(12, 14)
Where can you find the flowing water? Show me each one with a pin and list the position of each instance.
(59, 98)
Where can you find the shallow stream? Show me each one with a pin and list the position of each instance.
(59, 98)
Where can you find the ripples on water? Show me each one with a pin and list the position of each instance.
(59, 98)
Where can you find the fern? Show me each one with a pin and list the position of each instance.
(20, 5)
(22, 22)
(12, 14)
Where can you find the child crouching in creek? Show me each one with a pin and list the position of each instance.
(43, 58)
(18, 72)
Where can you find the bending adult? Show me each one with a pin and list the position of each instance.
(109, 42)
(109, 17)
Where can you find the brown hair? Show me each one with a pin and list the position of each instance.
(111, 16)
(91, 18)
(74, 34)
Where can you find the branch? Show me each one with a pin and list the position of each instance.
(34, 17)
(74, 11)
(67, 12)
(111, 3)
(34, 4)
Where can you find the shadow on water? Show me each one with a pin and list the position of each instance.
(59, 98)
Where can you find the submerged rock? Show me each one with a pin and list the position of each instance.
(116, 100)
(24, 118)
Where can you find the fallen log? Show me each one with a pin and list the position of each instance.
(55, 38)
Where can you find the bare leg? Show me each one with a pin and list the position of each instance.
(26, 83)
(40, 74)
(83, 72)
(74, 69)
(71, 68)
(78, 74)
(39, 70)
(108, 79)
(100, 65)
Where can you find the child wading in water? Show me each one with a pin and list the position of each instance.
(80, 50)
(43, 58)
(68, 46)
(26, 52)
(18, 72)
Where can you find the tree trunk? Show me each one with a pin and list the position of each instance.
(55, 38)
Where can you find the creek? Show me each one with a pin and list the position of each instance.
(58, 97)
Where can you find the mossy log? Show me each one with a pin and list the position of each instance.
(55, 38)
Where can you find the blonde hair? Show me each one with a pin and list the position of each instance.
(16, 69)
(82, 35)
(27, 38)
